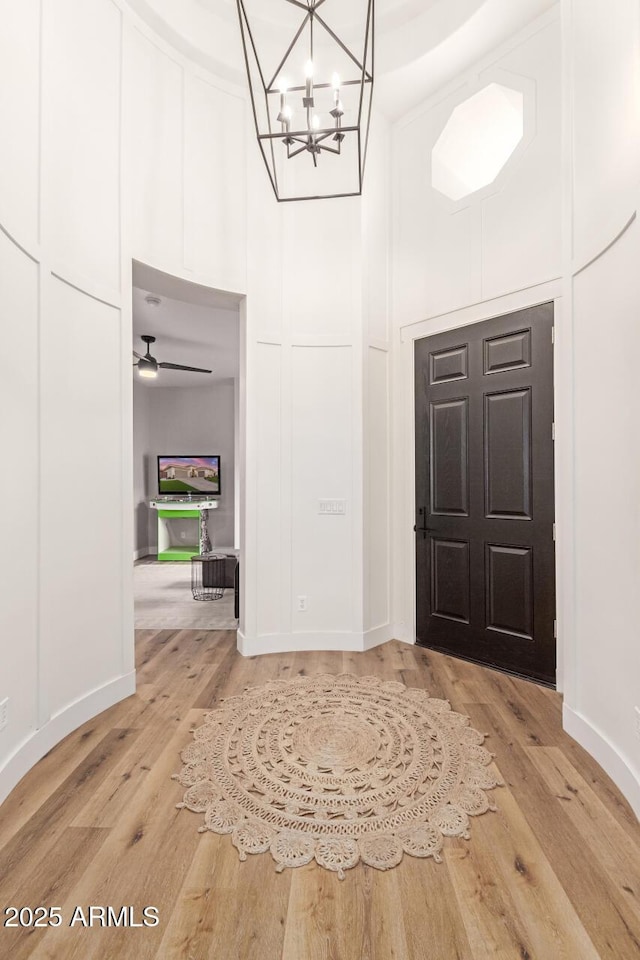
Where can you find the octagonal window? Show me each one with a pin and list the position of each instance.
(479, 138)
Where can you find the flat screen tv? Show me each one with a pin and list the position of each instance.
(180, 475)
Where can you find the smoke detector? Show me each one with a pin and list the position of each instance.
(152, 301)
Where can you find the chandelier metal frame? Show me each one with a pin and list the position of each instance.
(313, 140)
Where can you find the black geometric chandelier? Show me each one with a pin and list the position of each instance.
(311, 93)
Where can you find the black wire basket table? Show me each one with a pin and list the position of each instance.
(208, 576)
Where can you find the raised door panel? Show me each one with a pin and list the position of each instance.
(447, 365)
(507, 455)
(449, 457)
(509, 352)
(450, 586)
(509, 590)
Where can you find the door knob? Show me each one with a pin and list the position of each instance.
(423, 530)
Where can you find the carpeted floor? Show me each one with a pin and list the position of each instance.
(163, 601)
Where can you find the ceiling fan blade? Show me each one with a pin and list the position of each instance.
(179, 366)
(136, 355)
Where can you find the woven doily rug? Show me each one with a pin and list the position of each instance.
(337, 769)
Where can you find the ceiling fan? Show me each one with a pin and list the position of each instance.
(148, 366)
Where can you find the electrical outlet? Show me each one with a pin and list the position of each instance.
(4, 713)
(637, 716)
(302, 604)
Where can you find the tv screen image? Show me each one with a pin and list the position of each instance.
(178, 475)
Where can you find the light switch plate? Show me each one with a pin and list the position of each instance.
(332, 508)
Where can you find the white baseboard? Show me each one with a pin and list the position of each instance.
(60, 726)
(377, 635)
(404, 633)
(602, 750)
(318, 641)
(142, 552)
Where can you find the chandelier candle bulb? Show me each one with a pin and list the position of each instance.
(335, 83)
(315, 126)
(308, 73)
(283, 101)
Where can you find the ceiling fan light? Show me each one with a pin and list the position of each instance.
(147, 368)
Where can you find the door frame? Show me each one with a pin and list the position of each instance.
(404, 582)
(241, 501)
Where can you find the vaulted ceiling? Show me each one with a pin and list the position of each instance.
(420, 44)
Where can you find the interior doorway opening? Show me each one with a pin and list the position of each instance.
(187, 458)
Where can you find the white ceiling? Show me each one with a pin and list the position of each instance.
(166, 285)
(421, 45)
(343, 13)
(187, 331)
(424, 54)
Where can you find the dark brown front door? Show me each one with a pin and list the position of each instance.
(484, 493)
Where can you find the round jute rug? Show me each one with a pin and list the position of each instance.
(337, 769)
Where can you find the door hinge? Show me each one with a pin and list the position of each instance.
(554, 532)
(555, 629)
(553, 334)
(553, 431)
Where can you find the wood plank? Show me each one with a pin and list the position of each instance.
(142, 862)
(551, 926)
(322, 914)
(39, 835)
(598, 827)
(52, 770)
(49, 883)
(384, 935)
(433, 921)
(580, 873)
(219, 683)
(222, 911)
(492, 922)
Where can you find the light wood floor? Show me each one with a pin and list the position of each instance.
(553, 875)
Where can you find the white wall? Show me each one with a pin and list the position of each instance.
(60, 273)
(448, 255)
(602, 83)
(19, 566)
(309, 323)
(95, 170)
(137, 152)
(376, 388)
(495, 251)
